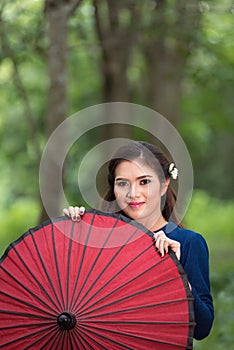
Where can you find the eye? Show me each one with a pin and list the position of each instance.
(121, 183)
(145, 181)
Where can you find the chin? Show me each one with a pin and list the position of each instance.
(134, 215)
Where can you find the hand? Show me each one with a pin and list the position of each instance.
(162, 243)
(74, 213)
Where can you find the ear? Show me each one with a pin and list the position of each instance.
(164, 187)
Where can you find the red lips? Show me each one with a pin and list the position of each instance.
(135, 204)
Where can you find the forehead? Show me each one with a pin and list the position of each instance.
(133, 168)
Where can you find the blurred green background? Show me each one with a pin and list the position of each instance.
(177, 57)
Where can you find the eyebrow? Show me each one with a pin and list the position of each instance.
(138, 178)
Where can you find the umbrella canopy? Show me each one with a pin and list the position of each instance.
(96, 284)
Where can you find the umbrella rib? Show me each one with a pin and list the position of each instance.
(51, 284)
(77, 335)
(26, 303)
(45, 344)
(57, 267)
(118, 273)
(47, 274)
(105, 268)
(28, 325)
(140, 322)
(131, 336)
(75, 338)
(106, 338)
(80, 267)
(83, 341)
(126, 297)
(113, 277)
(134, 308)
(96, 259)
(68, 265)
(28, 336)
(27, 289)
(57, 340)
(22, 314)
(71, 341)
(30, 272)
(66, 341)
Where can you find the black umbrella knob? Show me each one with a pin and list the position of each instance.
(66, 321)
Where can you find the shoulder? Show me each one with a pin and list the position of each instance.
(187, 237)
(194, 250)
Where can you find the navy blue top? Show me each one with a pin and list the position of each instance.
(195, 262)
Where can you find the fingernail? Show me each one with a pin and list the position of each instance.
(78, 218)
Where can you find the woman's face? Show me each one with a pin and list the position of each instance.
(138, 191)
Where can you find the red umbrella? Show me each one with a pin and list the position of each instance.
(96, 284)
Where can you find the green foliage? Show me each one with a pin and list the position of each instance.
(213, 218)
(207, 124)
(16, 219)
(222, 334)
(85, 84)
(23, 85)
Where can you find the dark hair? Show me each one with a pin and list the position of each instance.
(152, 156)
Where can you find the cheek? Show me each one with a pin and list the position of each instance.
(117, 194)
(154, 193)
(119, 197)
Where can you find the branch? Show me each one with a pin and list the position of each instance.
(20, 88)
(112, 32)
(69, 5)
(73, 6)
(98, 22)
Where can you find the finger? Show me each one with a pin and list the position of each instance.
(159, 242)
(82, 210)
(175, 247)
(66, 212)
(159, 234)
(77, 214)
(163, 248)
(78, 218)
(72, 213)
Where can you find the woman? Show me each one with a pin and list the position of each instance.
(139, 187)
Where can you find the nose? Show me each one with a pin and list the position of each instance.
(133, 191)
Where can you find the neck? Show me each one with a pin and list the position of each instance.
(158, 224)
(155, 225)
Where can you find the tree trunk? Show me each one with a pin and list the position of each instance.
(166, 53)
(115, 48)
(58, 14)
(116, 38)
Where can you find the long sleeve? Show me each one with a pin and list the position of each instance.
(195, 261)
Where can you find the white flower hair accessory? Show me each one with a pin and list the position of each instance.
(173, 171)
